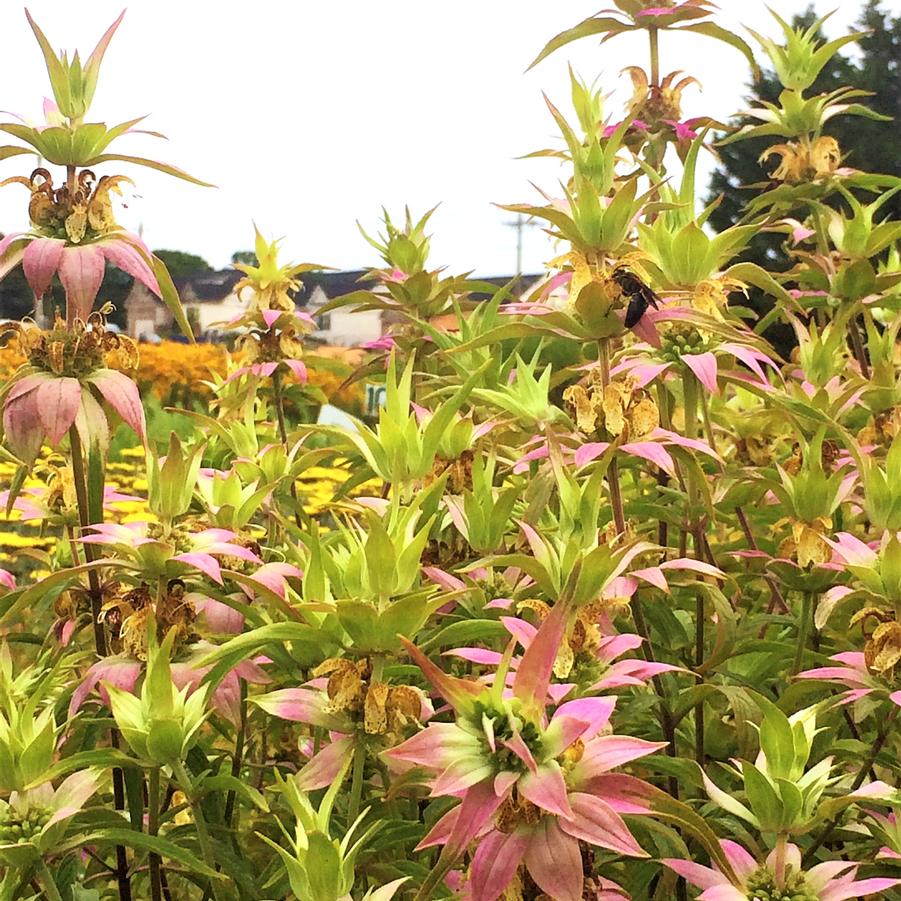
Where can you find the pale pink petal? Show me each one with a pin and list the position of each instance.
(702, 877)
(646, 327)
(57, 402)
(125, 256)
(653, 576)
(625, 794)
(823, 874)
(705, 368)
(522, 631)
(588, 452)
(435, 746)
(7, 579)
(751, 358)
(479, 805)
(504, 781)
(534, 673)
(516, 744)
(653, 452)
(723, 893)
(741, 860)
(458, 692)
(852, 550)
(593, 712)
(22, 426)
(121, 393)
(607, 752)
(273, 576)
(857, 889)
(118, 671)
(27, 384)
(596, 822)
(208, 565)
(232, 550)
(694, 444)
(71, 795)
(298, 368)
(81, 272)
(40, 262)
(554, 861)
(220, 618)
(300, 705)
(642, 372)
(476, 655)
(612, 646)
(495, 863)
(461, 775)
(546, 789)
(7, 240)
(442, 578)
(66, 632)
(324, 768)
(441, 831)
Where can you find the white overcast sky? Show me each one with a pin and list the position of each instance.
(312, 114)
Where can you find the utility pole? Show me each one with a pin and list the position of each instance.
(519, 223)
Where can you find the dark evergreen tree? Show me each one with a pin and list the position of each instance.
(179, 263)
(866, 144)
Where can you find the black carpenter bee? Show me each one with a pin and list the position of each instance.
(640, 295)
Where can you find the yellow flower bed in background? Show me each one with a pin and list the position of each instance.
(24, 550)
(175, 372)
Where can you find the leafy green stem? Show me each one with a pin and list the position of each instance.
(153, 828)
(47, 881)
(203, 835)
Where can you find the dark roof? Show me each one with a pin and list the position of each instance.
(336, 284)
(211, 285)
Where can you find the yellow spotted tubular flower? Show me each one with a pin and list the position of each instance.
(804, 161)
(620, 407)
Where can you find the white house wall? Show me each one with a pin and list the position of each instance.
(215, 314)
(349, 327)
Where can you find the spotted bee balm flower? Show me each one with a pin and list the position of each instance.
(531, 789)
(65, 383)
